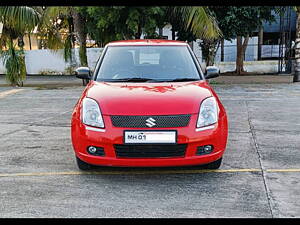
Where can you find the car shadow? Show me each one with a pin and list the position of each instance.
(146, 169)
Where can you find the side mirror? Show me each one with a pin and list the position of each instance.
(83, 73)
(212, 72)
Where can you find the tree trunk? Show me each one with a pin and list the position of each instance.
(209, 49)
(29, 39)
(160, 32)
(260, 42)
(173, 34)
(240, 53)
(81, 35)
(82, 54)
(297, 48)
(212, 51)
(22, 71)
(71, 28)
(139, 32)
(222, 50)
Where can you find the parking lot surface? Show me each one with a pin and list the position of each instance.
(259, 176)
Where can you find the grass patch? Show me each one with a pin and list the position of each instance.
(52, 86)
(47, 88)
(213, 82)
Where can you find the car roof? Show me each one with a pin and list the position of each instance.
(147, 42)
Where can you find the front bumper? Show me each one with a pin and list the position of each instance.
(84, 136)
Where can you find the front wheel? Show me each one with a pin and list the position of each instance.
(83, 165)
(213, 165)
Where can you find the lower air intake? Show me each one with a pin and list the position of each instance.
(150, 151)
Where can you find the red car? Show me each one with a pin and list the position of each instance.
(148, 104)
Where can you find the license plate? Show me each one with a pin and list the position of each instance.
(149, 137)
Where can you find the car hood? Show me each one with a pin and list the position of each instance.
(148, 98)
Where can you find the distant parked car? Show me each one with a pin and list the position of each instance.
(148, 104)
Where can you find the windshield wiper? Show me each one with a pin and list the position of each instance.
(181, 79)
(140, 79)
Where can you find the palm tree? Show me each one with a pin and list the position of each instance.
(16, 20)
(75, 21)
(55, 21)
(14, 62)
(199, 21)
(79, 21)
(297, 47)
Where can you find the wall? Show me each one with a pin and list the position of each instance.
(259, 67)
(45, 61)
(230, 50)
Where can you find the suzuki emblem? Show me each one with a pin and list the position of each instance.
(150, 122)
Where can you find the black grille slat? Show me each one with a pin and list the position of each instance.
(160, 121)
(150, 151)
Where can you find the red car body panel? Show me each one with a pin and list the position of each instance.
(148, 99)
(165, 98)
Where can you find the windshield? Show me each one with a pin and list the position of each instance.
(147, 63)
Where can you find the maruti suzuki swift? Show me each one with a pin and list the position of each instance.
(148, 104)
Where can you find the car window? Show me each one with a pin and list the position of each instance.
(160, 63)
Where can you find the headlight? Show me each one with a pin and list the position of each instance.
(208, 112)
(91, 114)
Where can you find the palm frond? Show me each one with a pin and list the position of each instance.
(21, 18)
(68, 49)
(14, 61)
(54, 40)
(200, 21)
(50, 33)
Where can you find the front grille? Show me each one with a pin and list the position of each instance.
(150, 151)
(152, 121)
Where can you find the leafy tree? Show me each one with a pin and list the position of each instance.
(119, 22)
(103, 25)
(241, 23)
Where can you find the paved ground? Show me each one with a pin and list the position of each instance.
(254, 79)
(259, 176)
(46, 81)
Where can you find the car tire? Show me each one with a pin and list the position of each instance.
(83, 165)
(213, 165)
